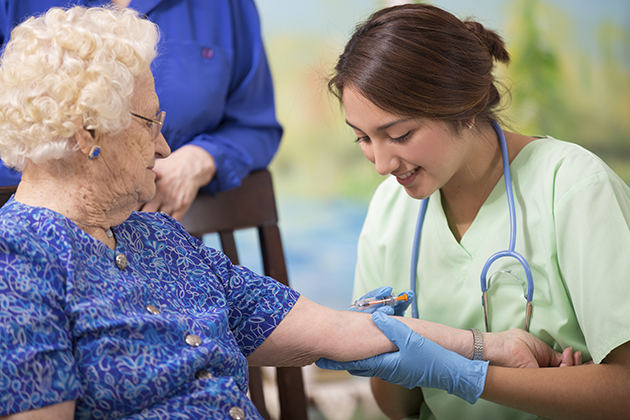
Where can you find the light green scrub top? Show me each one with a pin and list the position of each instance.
(573, 227)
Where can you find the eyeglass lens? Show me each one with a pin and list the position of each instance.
(156, 128)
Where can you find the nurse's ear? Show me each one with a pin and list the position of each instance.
(469, 124)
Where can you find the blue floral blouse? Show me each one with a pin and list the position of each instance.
(164, 337)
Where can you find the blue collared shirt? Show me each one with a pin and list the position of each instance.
(211, 75)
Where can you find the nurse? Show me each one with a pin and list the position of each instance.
(418, 90)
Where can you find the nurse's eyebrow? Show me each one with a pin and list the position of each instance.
(384, 126)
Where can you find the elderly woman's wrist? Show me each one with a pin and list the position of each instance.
(493, 348)
(462, 344)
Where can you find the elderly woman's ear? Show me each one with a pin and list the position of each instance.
(86, 140)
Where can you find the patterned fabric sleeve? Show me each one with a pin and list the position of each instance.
(257, 304)
(37, 366)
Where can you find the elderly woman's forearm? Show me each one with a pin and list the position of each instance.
(311, 331)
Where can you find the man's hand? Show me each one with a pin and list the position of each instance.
(178, 180)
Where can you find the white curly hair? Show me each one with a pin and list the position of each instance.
(68, 65)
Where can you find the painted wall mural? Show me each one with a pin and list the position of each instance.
(569, 78)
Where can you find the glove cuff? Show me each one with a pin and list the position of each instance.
(472, 382)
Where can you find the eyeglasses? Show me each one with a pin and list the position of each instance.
(156, 124)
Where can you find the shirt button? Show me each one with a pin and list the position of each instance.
(121, 261)
(193, 340)
(154, 310)
(207, 53)
(203, 374)
(237, 413)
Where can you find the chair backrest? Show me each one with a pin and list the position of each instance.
(252, 205)
(6, 193)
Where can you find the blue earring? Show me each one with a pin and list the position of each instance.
(94, 152)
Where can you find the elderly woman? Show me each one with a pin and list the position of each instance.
(109, 313)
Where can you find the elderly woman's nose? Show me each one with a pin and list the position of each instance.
(162, 148)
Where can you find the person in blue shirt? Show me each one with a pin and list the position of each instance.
(214, 82)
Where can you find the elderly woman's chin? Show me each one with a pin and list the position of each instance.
(148, 189)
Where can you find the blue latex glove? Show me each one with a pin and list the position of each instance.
(398, 310)
(419, 362)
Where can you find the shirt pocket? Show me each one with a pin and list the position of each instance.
(193, 82)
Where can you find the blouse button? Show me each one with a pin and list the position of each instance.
(154, 310)
(193, 340)
(121, 261)
(237, 413)
(203, 374)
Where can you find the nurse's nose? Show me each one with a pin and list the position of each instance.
(384, 160)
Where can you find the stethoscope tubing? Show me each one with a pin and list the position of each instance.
(510, 252)
(416, 252)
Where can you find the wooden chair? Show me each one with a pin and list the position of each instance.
(6, 193)
(252, 205)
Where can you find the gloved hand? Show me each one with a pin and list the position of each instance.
(419, 362)
(383, 291)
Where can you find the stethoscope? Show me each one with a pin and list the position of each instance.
(510, 252)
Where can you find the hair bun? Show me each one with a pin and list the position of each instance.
(493, 42)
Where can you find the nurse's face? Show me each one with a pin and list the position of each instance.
(424, 155)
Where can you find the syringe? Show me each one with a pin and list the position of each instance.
(391, 300)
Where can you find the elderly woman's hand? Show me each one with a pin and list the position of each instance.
(519, 349)
(178, 180)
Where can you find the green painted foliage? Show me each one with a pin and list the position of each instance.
(558, 86)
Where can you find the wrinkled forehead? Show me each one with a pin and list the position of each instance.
(144, 96)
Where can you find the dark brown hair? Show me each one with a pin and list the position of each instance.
(421, 61)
